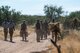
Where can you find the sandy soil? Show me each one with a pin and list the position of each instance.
(70, 44)
(23, 47)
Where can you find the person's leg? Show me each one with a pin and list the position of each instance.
(22, 37)
(38, 37)
(11, 36)
(45, 34)
(25, 35)
(41, 36)
(5, 35)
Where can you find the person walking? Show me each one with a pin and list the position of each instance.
(23, 31)
(41, 27)
(45, 28)
(5, 29)
(11, 29)
(38, 30)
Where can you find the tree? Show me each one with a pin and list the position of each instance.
(75, 14)
(16, 16)
(52, 12)
(59, 11)
(7, 14)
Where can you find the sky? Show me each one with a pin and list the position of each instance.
(35, 7)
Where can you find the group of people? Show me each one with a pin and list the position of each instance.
(9, 28)
(41, 28)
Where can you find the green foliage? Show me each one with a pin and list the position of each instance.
(53, 12)
(16, 16)
(75, 14)
(32, 19)
(7, 14)
(71, 17)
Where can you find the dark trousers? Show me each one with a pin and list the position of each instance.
(45, 34)
(5, 34)
(41, 35)
(11, 31)
(23, 34)
(38, 35)
(24, 37)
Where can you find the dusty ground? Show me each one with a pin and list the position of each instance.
(22, 47)
(70, 44)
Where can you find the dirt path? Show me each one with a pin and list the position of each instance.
(32, 46)
(23, 47)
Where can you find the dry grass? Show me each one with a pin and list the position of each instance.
(70, 44)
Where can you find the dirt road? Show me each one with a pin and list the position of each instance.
(23, 47)
(69, 44)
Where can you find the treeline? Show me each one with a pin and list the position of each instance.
(6, 13)
(31, 19)
(75, 14)
(51, 12)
